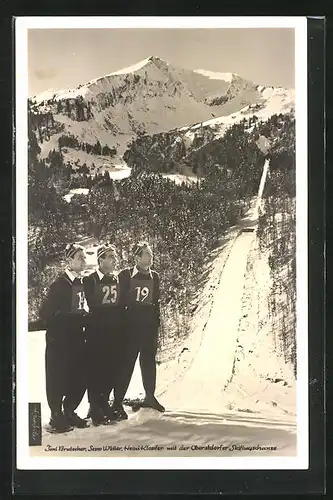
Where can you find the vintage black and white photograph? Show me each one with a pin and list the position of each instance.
(161, 235)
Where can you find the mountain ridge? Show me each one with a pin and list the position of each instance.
(212, 81)
(135, 68)
(148, 97)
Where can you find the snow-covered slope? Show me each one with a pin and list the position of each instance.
(272, 101)
(213, 75)
(185, 149)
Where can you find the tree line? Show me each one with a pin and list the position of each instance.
(166, 151)
(71, 141)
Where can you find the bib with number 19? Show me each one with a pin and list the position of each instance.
(141, 291)
(107, 294)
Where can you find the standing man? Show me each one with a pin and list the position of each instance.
(103, 333)
(140, 290)
(64, 314)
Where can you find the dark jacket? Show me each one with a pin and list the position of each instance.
(140, 296)
(104, 301)
(61, 312)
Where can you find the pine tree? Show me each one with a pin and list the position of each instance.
(68, 107)
(98, 148)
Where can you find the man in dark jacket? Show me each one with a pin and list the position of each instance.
(64, 314)
(140, 291)
(103, 333)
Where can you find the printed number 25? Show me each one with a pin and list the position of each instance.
(109, 290)
(142, 293)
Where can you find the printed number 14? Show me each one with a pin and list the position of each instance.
(81, 300)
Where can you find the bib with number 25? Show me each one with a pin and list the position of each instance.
(141, 291)
(107, 294)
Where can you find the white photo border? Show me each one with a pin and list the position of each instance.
(24, 460)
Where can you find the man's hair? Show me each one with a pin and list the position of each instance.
(104, 248)
(71, 249)
(139, 247)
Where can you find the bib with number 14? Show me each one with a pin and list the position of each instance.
(141, 291)
(78, 299)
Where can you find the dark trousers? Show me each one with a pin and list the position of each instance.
(65, 372)
(103, 352)
(140, 340)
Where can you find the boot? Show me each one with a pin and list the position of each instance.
(74, 420)
(151, 402)
(98, 417)
(117, 412)
(59, 423)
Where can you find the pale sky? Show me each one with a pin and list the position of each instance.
(64, 58)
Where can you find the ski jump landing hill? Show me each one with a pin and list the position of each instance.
(201, 385)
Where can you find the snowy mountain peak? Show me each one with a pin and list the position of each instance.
(213, 75)
(155, 68)
(157, 59)
(84, 90)
(132, 68)
(148, 97)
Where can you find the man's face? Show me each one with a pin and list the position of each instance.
(145, 260)
(78, 262)
(108, 262)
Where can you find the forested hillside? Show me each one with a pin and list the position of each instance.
(277, 235)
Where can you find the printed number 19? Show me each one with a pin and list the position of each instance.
(142, 293)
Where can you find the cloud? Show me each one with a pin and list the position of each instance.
(45, 74)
